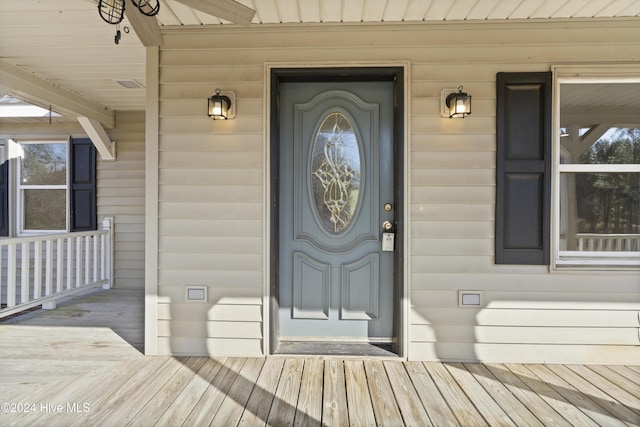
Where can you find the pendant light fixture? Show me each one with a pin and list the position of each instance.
(112, 11)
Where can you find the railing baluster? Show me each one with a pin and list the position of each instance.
(24, 273)
(70, 262)
(37, 269)
(103, 258)
(59, 262)
(95, 258)
(78, 262)
(87, 258)
(48, 283)
(11, 275)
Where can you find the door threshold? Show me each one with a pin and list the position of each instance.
(337, 349)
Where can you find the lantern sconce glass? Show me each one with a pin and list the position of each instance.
(222, 105)
(455, 104)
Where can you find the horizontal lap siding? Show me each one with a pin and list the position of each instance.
(212, 178)
(121, 196)
(210, 211)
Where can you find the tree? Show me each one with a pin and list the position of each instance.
(609, 203)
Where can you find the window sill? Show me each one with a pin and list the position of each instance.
(39, 233)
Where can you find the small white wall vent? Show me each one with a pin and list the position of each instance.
(470, 299)
(129, 83)
(195, 293)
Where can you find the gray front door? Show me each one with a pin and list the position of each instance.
(336, 191)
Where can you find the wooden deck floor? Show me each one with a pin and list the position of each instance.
(75, 374)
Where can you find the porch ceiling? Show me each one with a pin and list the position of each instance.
(63, 47)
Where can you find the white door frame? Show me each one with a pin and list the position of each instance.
(403, 304)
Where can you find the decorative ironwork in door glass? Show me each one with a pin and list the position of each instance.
(335, 166)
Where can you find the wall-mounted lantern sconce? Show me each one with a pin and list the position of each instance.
(222, 105)
(455, 104)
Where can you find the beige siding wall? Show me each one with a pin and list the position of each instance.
(212, 179)
(121, 196)
(120, 187)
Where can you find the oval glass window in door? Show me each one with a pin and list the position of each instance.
(335, 169)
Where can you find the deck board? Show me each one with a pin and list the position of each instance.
(283, 409)
(602, 399)
(309, 408)
(567, 414)
(213, 396)
(462, 407)
(232, 407)
(435, 404)
(335, 409)
(88, 373)
(177, 413)
(142, 395)
(259, 404)
(510, 404)
(385, 407)
(113, 398)
(413, 412)
(358, 397)
(609, 389)
(534, 403)
(575, 397)
(617, 377)
(166, 395)
(492, 413)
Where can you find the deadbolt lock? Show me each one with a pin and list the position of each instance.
(388, 207)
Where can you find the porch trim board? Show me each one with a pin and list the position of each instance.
(270, 249)
(152, 136)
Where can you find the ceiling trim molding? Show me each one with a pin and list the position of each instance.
(39, 91)
(448, 25)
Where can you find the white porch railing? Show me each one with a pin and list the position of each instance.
(608, 242)
(38, 269)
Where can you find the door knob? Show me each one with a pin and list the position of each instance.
(387, 226)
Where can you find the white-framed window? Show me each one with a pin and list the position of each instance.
(41, 190)
(596, 168)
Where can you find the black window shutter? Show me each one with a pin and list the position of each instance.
(4, 198)
(83, 185)
(523, 181)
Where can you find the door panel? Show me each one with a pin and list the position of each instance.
(311, 287)
(336, 174)
(360, 288)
